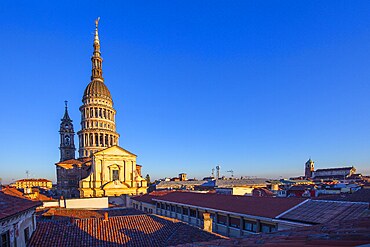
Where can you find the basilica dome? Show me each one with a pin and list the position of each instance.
(97, 88)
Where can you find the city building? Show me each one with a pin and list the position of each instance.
(17, 220)
(238, 216)
(349, 232)
(103, 168)
(32, 183)
(182, 177)
(340, 173)
(28, 193)
(69, 174)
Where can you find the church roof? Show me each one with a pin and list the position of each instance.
(97, 88)
(68, 164)
(335, 169)
(114, 147)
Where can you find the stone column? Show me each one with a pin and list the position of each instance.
(103, 173)
(258, 226)
(207, 222)
(241, 227)
(216, 222)
(188, 214)
(122, 173)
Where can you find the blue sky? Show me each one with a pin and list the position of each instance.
(254, 86)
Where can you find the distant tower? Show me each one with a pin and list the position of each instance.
(182, 177)
(218, 172)
(309, 168)
(98, 126)
(67, 145)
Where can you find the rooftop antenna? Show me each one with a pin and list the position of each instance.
(27, 173)
(213, 172)
(218, 171)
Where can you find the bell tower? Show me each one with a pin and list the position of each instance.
(67, 145)
(309, 168)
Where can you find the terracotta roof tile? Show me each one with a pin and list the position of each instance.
(11, 205)
(148, 198)
(139, 230)
(67, 214)
(12, 191)
(258, 206)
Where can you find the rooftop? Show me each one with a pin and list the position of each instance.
(12, 191)
(12, 205)
(362, 195)
(138, 230)
(33, 180)
(344, 233)
(316, 211)
(335, 169)
(148, 198)
(257, 206)
(67, 214)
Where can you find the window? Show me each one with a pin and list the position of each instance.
(185, 211)
(193, 213)
(221, 219)
(162, 206)
(234, 222)
(115, 175)
(178, 210)
(5, 240)
(200, 215)
(267, 228)
(26, 235)
(173, 208)
(250, 226)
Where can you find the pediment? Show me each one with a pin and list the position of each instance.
(115, 185)
(115, 150)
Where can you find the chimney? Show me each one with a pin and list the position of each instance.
(105, 216)
(207, 225)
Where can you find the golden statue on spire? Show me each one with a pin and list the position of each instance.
(97, 22)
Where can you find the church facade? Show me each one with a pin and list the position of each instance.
(103, 168)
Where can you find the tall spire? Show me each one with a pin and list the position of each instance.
(66, 116)
(97, 71)
(96, 38)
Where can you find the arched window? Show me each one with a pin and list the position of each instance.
(115, 175)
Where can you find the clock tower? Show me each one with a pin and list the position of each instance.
(67, 146)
